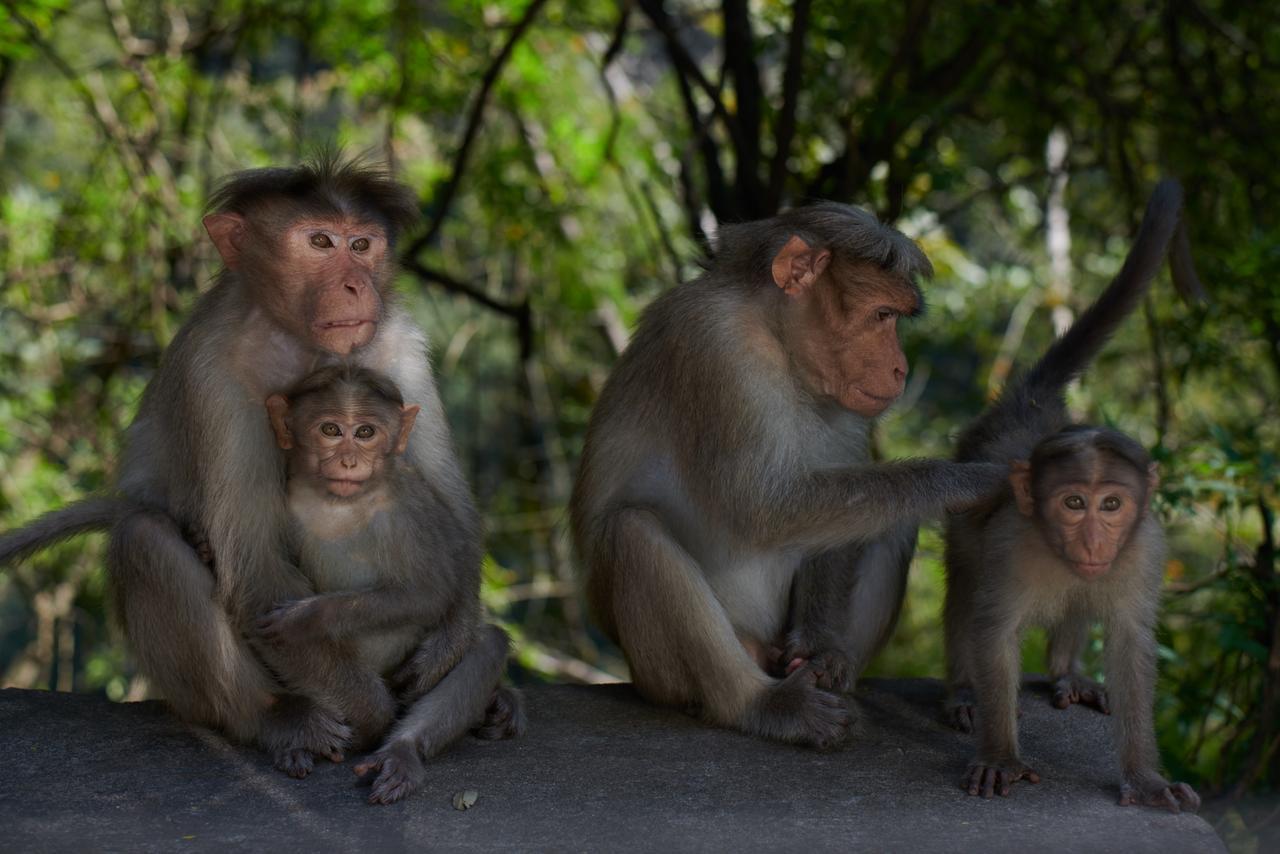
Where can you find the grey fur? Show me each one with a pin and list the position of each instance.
(1002, 576)
(716, 494)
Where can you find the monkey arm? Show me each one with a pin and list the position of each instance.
(829, 508)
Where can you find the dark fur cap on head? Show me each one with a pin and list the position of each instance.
(346, 379)
(1081, 440)
(329, 185)
(746, 250)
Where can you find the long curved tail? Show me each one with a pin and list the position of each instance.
(98, 513)
(1161, 236)
(1034, 403)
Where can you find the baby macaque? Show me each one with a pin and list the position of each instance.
(1070, 541)
(396, 618)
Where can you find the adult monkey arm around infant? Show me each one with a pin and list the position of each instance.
(308, 256)
(726, 503)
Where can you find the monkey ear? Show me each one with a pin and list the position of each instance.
(226, 231)
(1153, 479)
(797, 266)
(278, 410)
(407, 416)
(1020, 480)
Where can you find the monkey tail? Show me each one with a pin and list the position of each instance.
(98, 513)
(1162, 227)
(504, 717)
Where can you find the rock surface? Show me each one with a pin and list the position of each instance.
(598, 771)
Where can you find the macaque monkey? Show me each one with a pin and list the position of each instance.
(308, 256)
(395, 599)
(1070, 540)
(737, 541)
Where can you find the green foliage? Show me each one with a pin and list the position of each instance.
(594, 176)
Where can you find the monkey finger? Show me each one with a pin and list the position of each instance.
(367, 770)
(1187, 796)
(989, 778)
(795, 664)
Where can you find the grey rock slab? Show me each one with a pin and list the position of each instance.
(598, 770)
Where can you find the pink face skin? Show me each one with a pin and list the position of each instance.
(1086, 523)
(322, 278)
(841, 327)
(343, 451)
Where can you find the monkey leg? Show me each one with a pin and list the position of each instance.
(186, 644)
(183, 640)
(879, 572)
(682, 648)
(1070, 685)
(820, 607)
(437, 719)
(335, 676)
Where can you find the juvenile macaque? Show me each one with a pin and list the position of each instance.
(1071, 540)
(395, 599)
(738, 542)
(309, 260)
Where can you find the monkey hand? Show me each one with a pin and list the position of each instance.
(829, 664)
(990, 777)
(393, 772)
(1149, 789)
(1074, 688)
(297, 623)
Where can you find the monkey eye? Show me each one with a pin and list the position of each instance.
(321, 240)
(365, 431)
(1074, 502)
(1111, 503)
(360, 244)
(884, 314)
(330, 429)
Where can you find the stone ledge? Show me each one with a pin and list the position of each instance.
(597, 771)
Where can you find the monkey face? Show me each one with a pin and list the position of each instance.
(1088, 523)
(844, 336)
(322, 278)
(344, 451)
(334, 272)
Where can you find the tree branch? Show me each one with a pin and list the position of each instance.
(443, 198)
(786, 125)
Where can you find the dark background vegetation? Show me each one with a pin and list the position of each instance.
(573, 158)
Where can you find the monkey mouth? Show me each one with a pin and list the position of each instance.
(865, 401)
(1085, 569)
(345, 488)
(342, 324)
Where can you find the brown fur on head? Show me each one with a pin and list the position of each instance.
(315, 243)
(835, 281)
(1087, 488)
(343, 425)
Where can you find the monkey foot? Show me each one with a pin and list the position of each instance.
(504, 716)
(1074, 688)
(828, 663)
(393, 772)
(1158, 792)
(297, 762)
(798, 711)
(992, 778)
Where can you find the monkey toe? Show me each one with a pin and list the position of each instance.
(296, 762)
(1073, 689)
(393, 773)
(989, 780)
(1175, 797)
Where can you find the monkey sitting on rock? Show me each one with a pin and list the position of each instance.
(386, 605)
(1069, 541)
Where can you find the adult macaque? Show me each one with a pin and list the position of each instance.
(308, 254)
(387, 583)
(1069, 541)
(732, 526)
